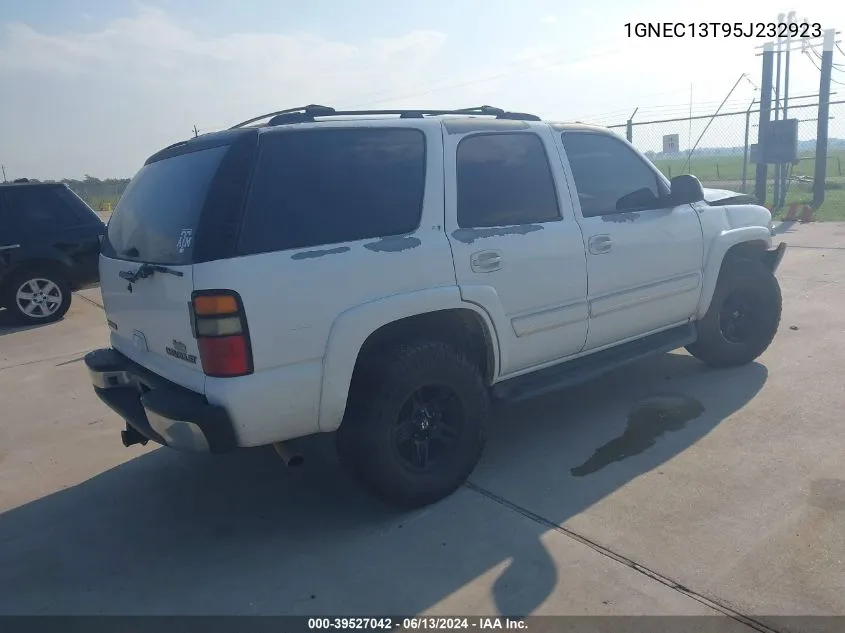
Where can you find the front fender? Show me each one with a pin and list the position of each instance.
(719, 246)
(352, 328)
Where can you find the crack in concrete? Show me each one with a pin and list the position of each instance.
(619, 558)
(89, 300)
(43, 360)
(817, 248)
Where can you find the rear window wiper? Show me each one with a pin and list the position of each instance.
(147, 270)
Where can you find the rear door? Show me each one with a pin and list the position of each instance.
(517, 250)
(154, 224)
(49, 228)
(10, 240)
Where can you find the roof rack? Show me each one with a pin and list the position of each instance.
(307, 114)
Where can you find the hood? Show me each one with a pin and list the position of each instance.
(721, 197)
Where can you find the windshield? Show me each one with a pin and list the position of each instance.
(156, 218)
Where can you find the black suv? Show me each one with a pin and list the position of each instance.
(49, 246)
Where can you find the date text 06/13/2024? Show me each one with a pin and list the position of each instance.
(769, 30)
(417, 623)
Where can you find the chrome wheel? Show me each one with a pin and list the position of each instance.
(39, 298)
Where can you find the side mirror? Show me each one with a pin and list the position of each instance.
(686, 189)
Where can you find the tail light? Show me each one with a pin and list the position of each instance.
(219, 324)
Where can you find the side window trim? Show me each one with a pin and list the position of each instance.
(548, 162)
(659, 179)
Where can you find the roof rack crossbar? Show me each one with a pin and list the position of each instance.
(309, 112)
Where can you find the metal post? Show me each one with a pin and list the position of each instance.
(790, 19)
(629, 126)
(824, 114)
(776, 201)
(763, 127)
(745, 151)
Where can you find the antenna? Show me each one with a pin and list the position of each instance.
(196, 131)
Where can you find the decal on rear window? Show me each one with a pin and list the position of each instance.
(185, 239)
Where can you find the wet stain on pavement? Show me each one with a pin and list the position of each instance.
(648, 420)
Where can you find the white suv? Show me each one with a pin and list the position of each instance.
(383, 274)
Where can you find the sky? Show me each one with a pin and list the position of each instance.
(93, 87)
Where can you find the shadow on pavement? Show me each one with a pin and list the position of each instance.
(178, 533)
(9, 326)
(559, 455)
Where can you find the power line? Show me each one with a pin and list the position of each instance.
(836, 66)
(832, 80)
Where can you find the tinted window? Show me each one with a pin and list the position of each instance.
(79, 207)
(326, 186)
(609, 177)
(504, 179)
(8, 229)
(38, 208)
(156, 218)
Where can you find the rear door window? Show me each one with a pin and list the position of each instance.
(38, 209)
(157, 216)
(504, 180)
(326, 186)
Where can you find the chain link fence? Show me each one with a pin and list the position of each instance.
(720, 150)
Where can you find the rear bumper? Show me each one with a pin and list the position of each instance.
(159, 410)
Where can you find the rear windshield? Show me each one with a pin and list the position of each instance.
(156, 218)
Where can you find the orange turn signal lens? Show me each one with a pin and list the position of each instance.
(207, 305)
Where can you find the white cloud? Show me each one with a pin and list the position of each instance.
(550, 19)
(143, 81)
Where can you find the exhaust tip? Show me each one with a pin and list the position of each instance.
(290, 458)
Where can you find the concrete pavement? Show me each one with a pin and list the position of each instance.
(663, 488)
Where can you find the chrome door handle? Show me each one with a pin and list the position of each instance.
(9, 247)
(486, 261)
(599, 244)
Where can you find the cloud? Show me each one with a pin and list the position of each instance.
(550, 19)
(164, 77)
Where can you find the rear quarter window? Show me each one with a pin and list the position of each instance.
(326, 186)
(156, 219)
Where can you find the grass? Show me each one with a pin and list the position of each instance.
(725, 172)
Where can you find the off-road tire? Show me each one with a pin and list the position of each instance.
(9, 291)
(744, 280)
(365, 440)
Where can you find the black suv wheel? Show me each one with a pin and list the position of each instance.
(743, 316)
(415, 429)
(36, 296)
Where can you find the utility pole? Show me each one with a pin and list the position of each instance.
(4, 173)
(790, 19)
(196, 131)
(763, 127)
(824, 113)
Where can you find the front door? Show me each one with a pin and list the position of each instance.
(644, 254)
(518, 251)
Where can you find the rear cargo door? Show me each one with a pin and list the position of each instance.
(146, 269)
